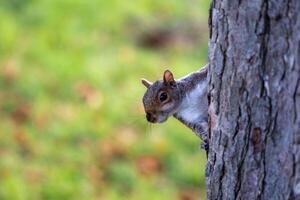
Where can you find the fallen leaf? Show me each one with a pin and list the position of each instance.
(149, 165)
(187, 195)
(9, 71)
(95, 174)
(41, 120)
(110, 149)
(89, 94)
(21, 113)
(66, 112)
(21, 138)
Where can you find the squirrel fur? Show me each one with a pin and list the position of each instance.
(185, 99)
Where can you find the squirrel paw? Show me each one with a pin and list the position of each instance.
(204, 145)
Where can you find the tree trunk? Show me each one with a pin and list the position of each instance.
(254, 100)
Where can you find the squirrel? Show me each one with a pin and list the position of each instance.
(185, 99)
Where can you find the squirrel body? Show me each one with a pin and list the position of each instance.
(185, 99)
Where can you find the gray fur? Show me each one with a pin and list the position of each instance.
(187, 103)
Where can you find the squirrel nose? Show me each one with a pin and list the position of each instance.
(150, 117)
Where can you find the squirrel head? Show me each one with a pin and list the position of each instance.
(161, 99)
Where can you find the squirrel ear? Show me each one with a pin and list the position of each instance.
(168, 78)
(146, 83)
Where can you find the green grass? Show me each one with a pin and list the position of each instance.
(71, 120)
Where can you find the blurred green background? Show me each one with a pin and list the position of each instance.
(72, 124)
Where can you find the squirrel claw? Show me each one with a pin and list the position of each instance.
(204, 145)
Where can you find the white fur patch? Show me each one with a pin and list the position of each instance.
(192, 109)
(167, 106)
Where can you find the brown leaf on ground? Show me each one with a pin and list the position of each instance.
(110, 149)
(9, 71)
(65, 111)
(149, 165)
(21, 138)
(95, 174)
(41, 120)
(187, 195)
(21, 114)
(83, 89)
(89, 94)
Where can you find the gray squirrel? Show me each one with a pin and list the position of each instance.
(185, 99)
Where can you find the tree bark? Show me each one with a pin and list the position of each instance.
(254, 100)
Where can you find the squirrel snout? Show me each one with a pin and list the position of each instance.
(150, 117)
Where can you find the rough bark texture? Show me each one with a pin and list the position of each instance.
(254, 96)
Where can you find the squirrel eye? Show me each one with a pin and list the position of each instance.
(163, 96)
